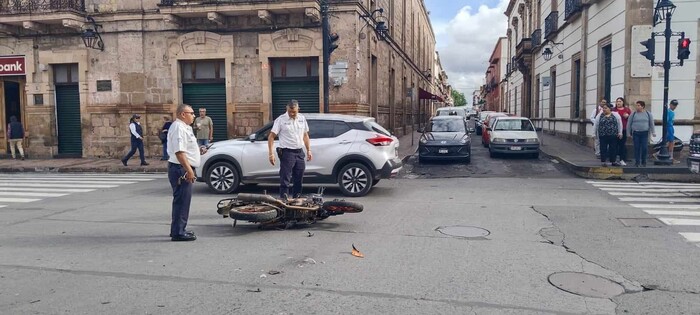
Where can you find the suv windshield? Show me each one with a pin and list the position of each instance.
(450, 112)
(446, 125)
(514, 125)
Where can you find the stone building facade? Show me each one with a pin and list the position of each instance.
(496, 86)
(595, 46)
(241, 60)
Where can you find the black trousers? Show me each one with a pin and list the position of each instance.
(608, 146)
(182, 197)
(135, 144)
(292, 166)
(622, 146)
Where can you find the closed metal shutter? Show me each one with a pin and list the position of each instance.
(211, 96)
(70, 141)
(306, 92)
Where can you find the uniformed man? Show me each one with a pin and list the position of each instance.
(293, 132)
(184, 156)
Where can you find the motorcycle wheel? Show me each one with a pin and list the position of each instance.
(342, 206)
(253, 213)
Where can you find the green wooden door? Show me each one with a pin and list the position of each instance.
(306, 92)
(211, 96)
(70, 139)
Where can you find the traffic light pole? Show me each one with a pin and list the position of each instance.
(325, 27)
(664, 158)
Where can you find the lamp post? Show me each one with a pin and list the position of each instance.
(664, 11)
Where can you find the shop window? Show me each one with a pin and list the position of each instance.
(203, 70)
(66, 73)
(294, 67)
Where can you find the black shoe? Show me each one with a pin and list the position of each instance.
(144, 163)
(124, 162)
(183, 238)
(186, 233)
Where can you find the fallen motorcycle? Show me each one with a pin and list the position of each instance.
(270, 211)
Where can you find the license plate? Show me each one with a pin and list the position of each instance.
(695, 167)
(516, 148)
(443, 151)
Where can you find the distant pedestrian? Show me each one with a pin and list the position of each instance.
(15, 136)
(204, 127)
(594, 119)
(639, 124)
(163, 134)
(136, 132)
(184, 155)
(609, 126)
(670, 135)
(624, 112)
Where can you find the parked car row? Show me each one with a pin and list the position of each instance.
(503, 133)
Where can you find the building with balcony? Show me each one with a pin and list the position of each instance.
(592, 49)
(241, 60)
(495, 77)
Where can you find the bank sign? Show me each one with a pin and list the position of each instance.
(13, 65)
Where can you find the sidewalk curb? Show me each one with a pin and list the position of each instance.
(69, 169)
(405, 158)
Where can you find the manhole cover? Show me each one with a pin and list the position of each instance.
(641, 222)
(585, 284)
(463, 231)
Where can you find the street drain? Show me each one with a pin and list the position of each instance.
(585, 284)
(463, 231)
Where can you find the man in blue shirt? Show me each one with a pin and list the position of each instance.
(670, 137)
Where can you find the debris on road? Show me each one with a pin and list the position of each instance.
(310, 234)
(310, 261)
(263, 276)
(356, 252)
(273, 272)
(255, 291)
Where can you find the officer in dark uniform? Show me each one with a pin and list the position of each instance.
(136, 139)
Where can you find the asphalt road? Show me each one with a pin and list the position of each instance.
(107, 251)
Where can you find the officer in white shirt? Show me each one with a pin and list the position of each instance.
(184, 157)
(293, 132)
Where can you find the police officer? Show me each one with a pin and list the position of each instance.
(293, 132)
(184, 156)
(136, 139)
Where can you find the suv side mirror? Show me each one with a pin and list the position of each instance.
(252, 137)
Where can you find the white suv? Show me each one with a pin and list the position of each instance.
(351, 151)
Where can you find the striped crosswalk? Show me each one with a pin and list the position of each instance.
(23, 188)
(674, 204)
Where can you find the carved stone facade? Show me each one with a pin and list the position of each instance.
(141, 68)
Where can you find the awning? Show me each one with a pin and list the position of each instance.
(425, 95)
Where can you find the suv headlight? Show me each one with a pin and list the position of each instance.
(532, 140)
(465, 139)
(423, 140)
(498, 140)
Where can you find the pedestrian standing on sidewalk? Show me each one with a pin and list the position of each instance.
(594, 119)
(624, 112)
(204, 127)
(184, 153)
(639, 124)
(15, 136)
(670, 136)
(609, 126)
(164, 136)
(293, 132)
(136, 140)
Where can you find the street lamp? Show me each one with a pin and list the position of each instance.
(91, 36)
(547, 54)
(664, 11)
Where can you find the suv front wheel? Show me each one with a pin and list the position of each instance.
(355, 180)
(222, 178)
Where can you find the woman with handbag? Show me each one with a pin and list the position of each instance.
(163, 135)
(640, 123)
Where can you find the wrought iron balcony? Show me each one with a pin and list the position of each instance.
(536, 37)
(40, 6)
(523, 48)
(571, 8)
(551, 24)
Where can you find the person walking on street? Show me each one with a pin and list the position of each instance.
(639, 124)
(204, 127)
(609, 131)
(624, 112)
(15, 136)
(164, 136)
(136, 140)
(670, 135)
(293, 132)
(184, 156)
(594, 119)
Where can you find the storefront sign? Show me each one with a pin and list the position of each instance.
(12, 65)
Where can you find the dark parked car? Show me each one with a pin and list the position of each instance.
(445, 137)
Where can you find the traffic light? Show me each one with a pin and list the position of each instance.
(332, 42)
(650, 45)
(683, 49)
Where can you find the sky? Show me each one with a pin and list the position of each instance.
(466, 32)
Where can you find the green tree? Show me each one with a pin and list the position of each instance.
(459, 98)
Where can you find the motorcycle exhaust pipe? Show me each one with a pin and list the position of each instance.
(257, 198)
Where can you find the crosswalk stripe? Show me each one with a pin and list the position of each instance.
(656, 199)
(674, 213)
(72, 178)
(20, 200)
(22, 181)
(647, 194)
(647, 187)
(651, 190)
(692, 237)
(642, 183)
(3, 206)
(56, 185)
(30, 194)
(662, 206)
(673, 221)
(29, 189)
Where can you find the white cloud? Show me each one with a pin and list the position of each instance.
(466, 44)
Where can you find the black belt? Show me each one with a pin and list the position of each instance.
(292, 150)
(171, 164)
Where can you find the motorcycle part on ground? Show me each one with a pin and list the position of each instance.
(342, 206)
(253, 213)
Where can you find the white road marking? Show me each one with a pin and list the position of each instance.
(648, 186)
(651, 190)
(19, 200)
(3, 206)
(74, 178)
(29, 189)
(692, 237)
(655, 199)
(649, 194)
(30, 194)
(46, 181)
(674, 213)
(55, 185)
(663, 206)
(673, 221)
